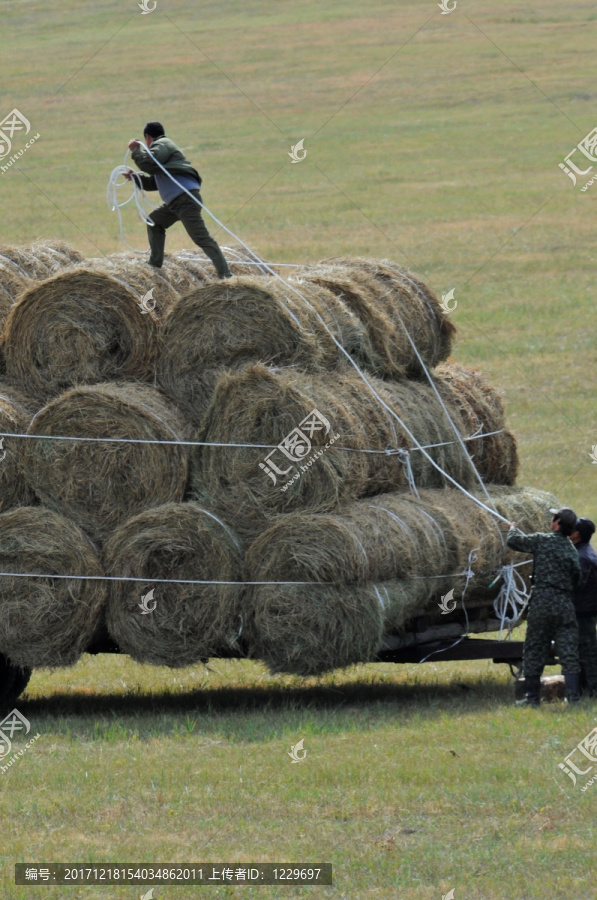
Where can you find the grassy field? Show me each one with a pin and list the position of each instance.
(433, 140)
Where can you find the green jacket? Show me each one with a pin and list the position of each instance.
(170, 157)
(556, 568)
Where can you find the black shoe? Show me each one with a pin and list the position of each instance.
(532, 695)
(572, 687)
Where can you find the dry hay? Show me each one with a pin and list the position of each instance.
(79, 327)
(243, 262)
(251, 319)
(527, 507)
(373, 553)
(20, 265)
(16, 411)
(260, 406)
(166, 284)
(480, 405)
(389, 300)
(190, 622)
(196, 265)
(47, 621)
(96, 484)
(240, 262)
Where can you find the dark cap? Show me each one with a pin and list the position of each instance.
(154, 130)
(566, 516)
(585, 528)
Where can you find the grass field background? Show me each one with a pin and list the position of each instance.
(433, 140)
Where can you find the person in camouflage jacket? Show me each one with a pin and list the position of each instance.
(551, 616)
(177, 205)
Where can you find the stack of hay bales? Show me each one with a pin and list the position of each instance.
(245, 447)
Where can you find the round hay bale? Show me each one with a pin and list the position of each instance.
(190, 622)
(528, 507)
(47, 621)
(26, 261)
(13, 280)
(388, 299)
(55, 255)
(16, 411)
(251, 319)
(417, 406)
(96, 484)
(260, 406)
(377, 539)
(20, 265)
(394, 550)
(314, 629)
(481, 408)
(79, 327)
(138, 276)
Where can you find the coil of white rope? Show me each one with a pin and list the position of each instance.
(138, 195)
(513, 597)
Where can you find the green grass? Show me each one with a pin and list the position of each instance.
(416, 779)
(445, 159)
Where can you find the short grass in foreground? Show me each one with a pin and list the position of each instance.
(417, 779)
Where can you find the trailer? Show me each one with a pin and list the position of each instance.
(428, 642)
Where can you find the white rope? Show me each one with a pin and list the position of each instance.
(404, 457)
(472, 558)
(342, 350)
(513, 598)
(446, 412)
(150, 580)
(57, 437)
(137, 194)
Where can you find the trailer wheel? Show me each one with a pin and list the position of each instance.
(13, 681)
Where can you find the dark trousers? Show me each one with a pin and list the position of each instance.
(183, 209)
(587, 648)
(543, 627)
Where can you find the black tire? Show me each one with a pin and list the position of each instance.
(13, 681)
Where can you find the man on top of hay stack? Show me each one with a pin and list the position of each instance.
(556, 573)
(585, 603)
(177, 206)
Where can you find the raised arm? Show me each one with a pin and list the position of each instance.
(517, 540)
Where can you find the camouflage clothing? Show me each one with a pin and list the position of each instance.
(551, 611)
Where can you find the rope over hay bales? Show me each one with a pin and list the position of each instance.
(388, 299)
(239, 260)
(16, 412)
(45, 621)
(97, 484)
(79, 327)
(190, 622)
(374, 552)
(480, 405)
(250, 319)
(261, 406)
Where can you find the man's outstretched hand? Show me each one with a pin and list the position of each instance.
(134, 143)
